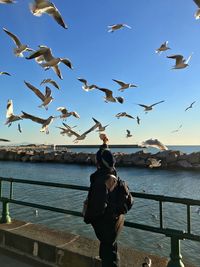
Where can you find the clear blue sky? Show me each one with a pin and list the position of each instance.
(99, 57)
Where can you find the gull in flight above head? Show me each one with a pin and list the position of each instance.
(114, 27)
(7, 2)
(41, 7)
(21, 48)
(124, 85)
(109, 96)
(66, 113)
(51, 82)
(154, 143)
(100, 126)
(123, 114)
(45, 122)
(148, 108)
(181, 63)
(190, 106)
(5, 73)
(177, 130)
(128, 134)
(86, 86)
(11, 117)
(163, 48)
(46, 99)
(44, 55)
(197, 13)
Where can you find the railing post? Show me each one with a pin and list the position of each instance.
(175, 255)
(5, 218)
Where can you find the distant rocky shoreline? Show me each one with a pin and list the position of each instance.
(169, 159)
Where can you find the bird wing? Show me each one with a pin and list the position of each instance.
(33, 118)
(5, 73)
(57, 71)
(178, 58)
(108, 92)
(51, 82)
(14, 37)
(119, 82)
(197, 2)
(129, 116)
(67, 62)
(97, 122)
(9, 108)
(47, 92)
(120, 99)
(127, 26)
(63, 110)
(35, 90)
(53, 11)
(91, 129)
(128, 132)
(75, 114)
(157, 103)
(39, 53)
(83, 81)
(144, 106)
(4, 140)
(19, 127)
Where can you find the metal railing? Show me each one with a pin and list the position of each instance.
(174, 234)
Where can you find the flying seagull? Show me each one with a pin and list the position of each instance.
(197, 13)
(154, 143)
(19, 127)
(128, 134)
(46, 99)
(86, 86)
(123, 114)
(114, 27)
(190, 106)
(177, 130)
(138, 120)
(66, 113)
(45, 122)
(51, 82)
(4, 140)
(148, 108)
(66, 130)
(163, 48)
(154, 163)
(4, 73)
(109, 96)
(181, 63)
(11, 117)
(44, 55)
(124, 85)
(7, 2)
(21, 48)
(101, 128)
(41, 7)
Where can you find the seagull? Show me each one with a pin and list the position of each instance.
(101, 128)
(44, 55)
(4, 73)
(163, 47)
(45, 122)
(86, 86)
(21, 48)
(181, 63)
(154, 143)
(4, 140)
(46, 99)
(19, 128)
(147, 262)
(154, 163)
(44, 6)
(7, 2)
(148, 108)
(123, 114)
(66, 113)
(10, 115)
(66, 130)
(197, 13)
(124, 85)
(138, 120)
(51, 82)
(114, 27)
(175, 131)
(190, 106)
(128, 134)
(109, 96)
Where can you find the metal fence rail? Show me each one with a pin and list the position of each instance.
(174, 234)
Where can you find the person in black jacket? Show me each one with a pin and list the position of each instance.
(101, 211)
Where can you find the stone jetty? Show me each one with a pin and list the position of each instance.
(169, 159)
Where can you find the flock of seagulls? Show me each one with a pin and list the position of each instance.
(46, 59)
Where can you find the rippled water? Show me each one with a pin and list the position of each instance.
(163, 182)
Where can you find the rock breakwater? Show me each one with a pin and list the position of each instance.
(168, 159)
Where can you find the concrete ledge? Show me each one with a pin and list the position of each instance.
(63, 249)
